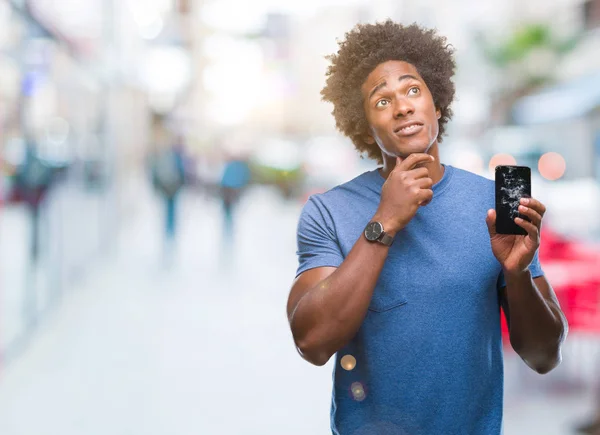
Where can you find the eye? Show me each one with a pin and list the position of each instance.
(382, 103)
(414, 90)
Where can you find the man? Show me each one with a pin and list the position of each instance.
(168, 178)
(234, 180)
(401, 273)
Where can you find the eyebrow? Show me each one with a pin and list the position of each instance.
(384, 84)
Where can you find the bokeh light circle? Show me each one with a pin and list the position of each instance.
(358, 391)
(552, 166)
(501, 159)
(348, 362)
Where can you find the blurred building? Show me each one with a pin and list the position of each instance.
(77, 87)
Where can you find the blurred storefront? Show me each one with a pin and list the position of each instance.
(50, 129)
(67, 105)
(564, 118)
(567, 117)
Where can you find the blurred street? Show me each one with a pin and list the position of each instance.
(203, 346)
(142, 349)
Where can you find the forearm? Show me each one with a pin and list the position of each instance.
(330, 314)
(537, 325)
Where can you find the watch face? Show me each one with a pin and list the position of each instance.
(373, 231)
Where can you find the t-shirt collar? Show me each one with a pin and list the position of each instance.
(437, 187)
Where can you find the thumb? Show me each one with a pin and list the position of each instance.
(490, 220)
(398, 162)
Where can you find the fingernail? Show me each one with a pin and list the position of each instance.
(522, 208)
(524, 201)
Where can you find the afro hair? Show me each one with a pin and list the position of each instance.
(368, 45)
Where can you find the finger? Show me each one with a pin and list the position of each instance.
(534, 204)
(425, 196)
(418, 173)
(533, 215)
(412, 160)
(490, 221)
(532, 230)
(424, 183)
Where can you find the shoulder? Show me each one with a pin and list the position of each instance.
(472, 179)
(346, 192)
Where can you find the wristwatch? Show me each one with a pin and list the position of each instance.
(374, 233)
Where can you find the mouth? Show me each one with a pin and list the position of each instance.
(408, 128)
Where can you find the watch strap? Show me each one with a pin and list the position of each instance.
(386, 239)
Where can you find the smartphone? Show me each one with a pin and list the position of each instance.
(512, 184)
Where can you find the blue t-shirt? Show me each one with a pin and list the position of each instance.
(429, 352)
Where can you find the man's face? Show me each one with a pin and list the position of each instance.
(400, 111)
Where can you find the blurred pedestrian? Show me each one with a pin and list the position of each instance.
(234, 180)
(401, 272)
(33, 179)
(168, 177)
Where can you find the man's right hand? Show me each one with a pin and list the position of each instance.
(406, 189)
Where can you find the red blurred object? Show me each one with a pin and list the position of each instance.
(573, 269)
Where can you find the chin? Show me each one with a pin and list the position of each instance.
(418, 147)
(407, 151)
(406, 148)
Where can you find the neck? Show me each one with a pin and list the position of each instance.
(436, 170)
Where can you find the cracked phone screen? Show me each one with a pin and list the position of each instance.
(512, 184)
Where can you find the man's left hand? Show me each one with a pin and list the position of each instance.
(515, 252)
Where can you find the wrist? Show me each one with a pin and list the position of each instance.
(516, 274)
(389, 226)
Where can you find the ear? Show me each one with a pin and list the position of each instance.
(438, 113)
(368, 139)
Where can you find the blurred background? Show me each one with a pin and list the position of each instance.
(155, 156)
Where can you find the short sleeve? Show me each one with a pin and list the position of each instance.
(535, 268)
(316, 240)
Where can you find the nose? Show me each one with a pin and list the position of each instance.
(403, 108)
